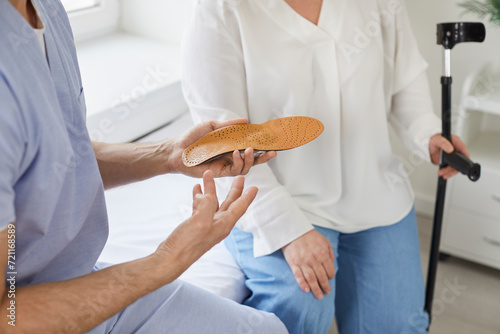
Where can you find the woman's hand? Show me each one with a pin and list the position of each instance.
(227, 165)
(311, 259)
(208, 225)
(438, 143)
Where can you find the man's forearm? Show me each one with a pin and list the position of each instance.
(80, 304)
(120, 164)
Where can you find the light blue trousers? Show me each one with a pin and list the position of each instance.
(182, 308)
(378, 287)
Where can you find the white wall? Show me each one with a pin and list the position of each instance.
(466, 58)
(162, 20)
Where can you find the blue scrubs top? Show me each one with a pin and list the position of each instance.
(49, 179)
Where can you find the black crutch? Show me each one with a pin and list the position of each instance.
(448, 35)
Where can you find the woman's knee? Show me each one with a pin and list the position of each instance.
(301, 312)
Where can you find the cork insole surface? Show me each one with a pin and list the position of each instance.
(274, 135)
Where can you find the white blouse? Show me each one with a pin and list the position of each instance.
(356, 70)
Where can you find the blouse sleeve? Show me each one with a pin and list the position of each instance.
(411, 115)
(214, 85)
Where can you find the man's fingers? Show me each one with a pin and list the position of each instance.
(220, 124)
(240, 206)
(198, 131)
(209, 183)
(265, 158)
(226, 220)
(249, 160)
(196, 193)
(237, 164)
(197, 190)
(234, 193)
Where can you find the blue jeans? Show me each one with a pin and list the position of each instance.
(378, 286)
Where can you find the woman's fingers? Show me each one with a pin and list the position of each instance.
(442, 143)
(311, 259)
(299, 277)
(322, 278)
(438, 142)
(460, 146)
(447, 172)
(312, 281)
(329, 267)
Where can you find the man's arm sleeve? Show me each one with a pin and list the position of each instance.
(12, 147)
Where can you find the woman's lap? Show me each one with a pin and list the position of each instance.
(378, 287)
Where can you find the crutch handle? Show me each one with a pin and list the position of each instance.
(463, 164)
(452, 33)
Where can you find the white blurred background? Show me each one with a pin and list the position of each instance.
(121, 41)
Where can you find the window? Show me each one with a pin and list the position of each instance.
(92, 18)
(76, 5)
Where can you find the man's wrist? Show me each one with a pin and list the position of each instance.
(166, 267)
(158, 157)
(168, 159)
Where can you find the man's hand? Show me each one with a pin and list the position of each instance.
(209, 224)
(438, 143)
(121, 164)
(311, 259)
(227, 165)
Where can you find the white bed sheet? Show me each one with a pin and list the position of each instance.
(143, 214)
